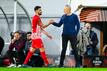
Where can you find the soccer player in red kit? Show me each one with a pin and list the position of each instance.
(37, 29)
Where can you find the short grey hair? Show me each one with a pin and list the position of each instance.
(68, 6)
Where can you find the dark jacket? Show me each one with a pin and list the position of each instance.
(18, 45)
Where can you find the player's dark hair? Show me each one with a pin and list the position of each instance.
(37, 7)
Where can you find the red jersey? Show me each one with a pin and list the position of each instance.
(36, 30)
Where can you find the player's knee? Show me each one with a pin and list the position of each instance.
(32, 49)
(42, 49)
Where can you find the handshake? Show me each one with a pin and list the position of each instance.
(51, 21)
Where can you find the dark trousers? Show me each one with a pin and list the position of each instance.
(92, 51)
(19, 56)
(73, 41)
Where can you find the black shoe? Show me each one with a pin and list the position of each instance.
(61, 66)
(78, 66)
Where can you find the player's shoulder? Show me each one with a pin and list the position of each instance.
(36, 17)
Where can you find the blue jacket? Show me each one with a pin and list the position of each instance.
(71, 24)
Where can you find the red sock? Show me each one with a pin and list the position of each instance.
(43, 55)
(29, 55)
